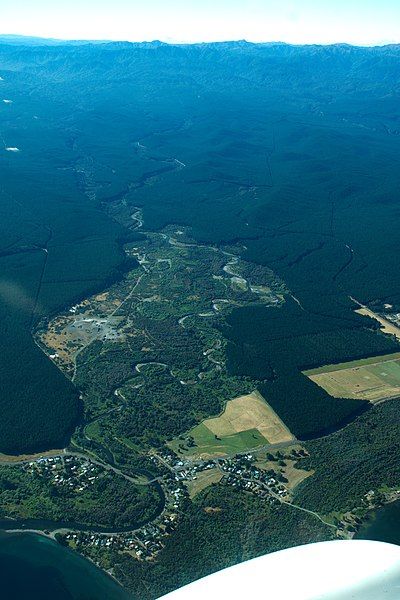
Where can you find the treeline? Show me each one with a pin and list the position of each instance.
(274, 345)
(306, 408)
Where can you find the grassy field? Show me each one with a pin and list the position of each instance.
(247, 422)
(373, 379)
(204, 479)
(372, 360)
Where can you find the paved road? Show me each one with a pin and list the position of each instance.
(91, 458)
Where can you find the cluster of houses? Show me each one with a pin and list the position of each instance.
(243, 475)
(239, 472)
(394, 317)
(143, 543)
(71, 472)
(181, 469)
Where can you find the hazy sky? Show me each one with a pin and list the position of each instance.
(362, 22)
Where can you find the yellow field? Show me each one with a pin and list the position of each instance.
(373, 381)
(295, 476)
(247, 422)
(249, 412)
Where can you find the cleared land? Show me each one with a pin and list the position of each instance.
(10, 459)
(247, 422)
(204, 480)
(373, 379)
(386, 325)
(291, 469)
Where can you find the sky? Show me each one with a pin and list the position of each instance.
(360, 22)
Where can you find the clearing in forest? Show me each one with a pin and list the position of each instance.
(203, 480)
(247, 422)
(373, 379)
(387, 326)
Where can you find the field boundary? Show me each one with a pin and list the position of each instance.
(245, 423)
(361, 362)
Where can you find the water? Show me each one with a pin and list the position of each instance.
(33, 567)
(383, 525)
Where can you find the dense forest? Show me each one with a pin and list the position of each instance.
(276, 344)
(56, 247)
(288, 155)
(39, 406)
(289, 151)
(218, 531)
(362, 457)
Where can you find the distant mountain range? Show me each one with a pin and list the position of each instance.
(27, 40)
(24, 40)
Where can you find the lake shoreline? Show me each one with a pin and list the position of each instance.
(72, 571)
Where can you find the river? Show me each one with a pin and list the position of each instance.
(36, 568)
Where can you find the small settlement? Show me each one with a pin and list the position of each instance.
(76, 474)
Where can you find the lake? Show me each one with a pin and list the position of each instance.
(383, 525)
(36, 568)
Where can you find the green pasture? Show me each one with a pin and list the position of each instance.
(207, 443)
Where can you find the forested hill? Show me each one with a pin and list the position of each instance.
(338, 69)
(289, 151)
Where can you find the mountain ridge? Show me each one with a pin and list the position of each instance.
(27, 40)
